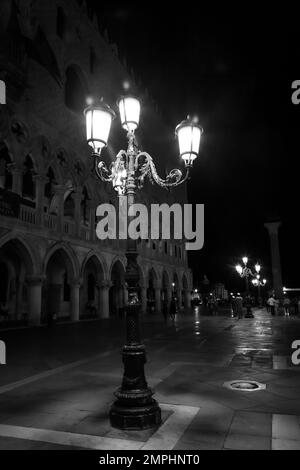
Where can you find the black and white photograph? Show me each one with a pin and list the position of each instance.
(149, 239)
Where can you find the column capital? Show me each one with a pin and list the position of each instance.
(35, 280)
(106, 284)
(76, 196)
(272, 227)
(75, 282)
(14, 169)
(41, 178)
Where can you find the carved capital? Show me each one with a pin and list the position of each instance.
(273, 227)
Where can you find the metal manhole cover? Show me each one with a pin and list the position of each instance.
(245, 385)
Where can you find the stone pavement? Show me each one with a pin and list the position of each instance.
(58, 384)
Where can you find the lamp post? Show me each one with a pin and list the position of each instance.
(245, 272)
(135, 407)
(257, 282)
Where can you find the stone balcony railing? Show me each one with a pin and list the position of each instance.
(50, 222)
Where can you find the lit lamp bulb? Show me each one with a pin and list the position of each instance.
(257, 267)
(239, 269)
(130, 110)
(189, 134)
(245, 260)
(98, 123)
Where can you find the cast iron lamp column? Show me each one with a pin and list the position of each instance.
(257, 282)
(135, 407)
(245, 272)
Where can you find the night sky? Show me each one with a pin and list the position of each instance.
(234, 71)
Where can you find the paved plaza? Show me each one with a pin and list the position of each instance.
(58, 384)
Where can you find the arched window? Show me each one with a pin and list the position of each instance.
(84, 206)
(61, 21)
(49, 187)
(69, 207)
(28, 185)
(75, 90)
(5, 174)
(3, 283)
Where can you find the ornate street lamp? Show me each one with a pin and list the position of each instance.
(135, 407)
(246, 272)
(257, 282)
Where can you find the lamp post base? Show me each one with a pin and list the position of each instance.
(135, 417)
(135, 407)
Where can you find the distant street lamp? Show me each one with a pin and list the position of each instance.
(257, 282)
(245, 272)
(135, 407)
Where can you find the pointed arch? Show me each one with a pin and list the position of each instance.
(99, 262)
(23, 249)
(69, 257)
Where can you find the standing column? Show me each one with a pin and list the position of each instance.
(104, 299)
(74, 307)
(179, 296)
(19, 298)
(272, 228)
(77, 198)
(187, 299)
(16, 179)
(40, 182)
(169, 297)
(157, 300)
(60, 194)
(35, 301)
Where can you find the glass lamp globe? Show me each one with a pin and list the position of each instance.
(98, 123)
(189, 134)
(130, 109)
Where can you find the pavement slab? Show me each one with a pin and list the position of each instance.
(58, 385)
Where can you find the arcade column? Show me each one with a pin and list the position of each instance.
(35, 300)
(74, 305)
(104, 299)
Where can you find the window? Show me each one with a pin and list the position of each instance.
(5, 174)
(153, 246)
(175, 251)
(166, 248)
(84, 207)
(49, 187)
(28, 186)
(69, 207)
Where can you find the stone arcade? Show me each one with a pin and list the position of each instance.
(51, 261)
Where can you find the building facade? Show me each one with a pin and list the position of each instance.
(52, 57)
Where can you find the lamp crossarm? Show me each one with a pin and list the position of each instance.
(108, 175)
(247, 272)
(148, 169)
